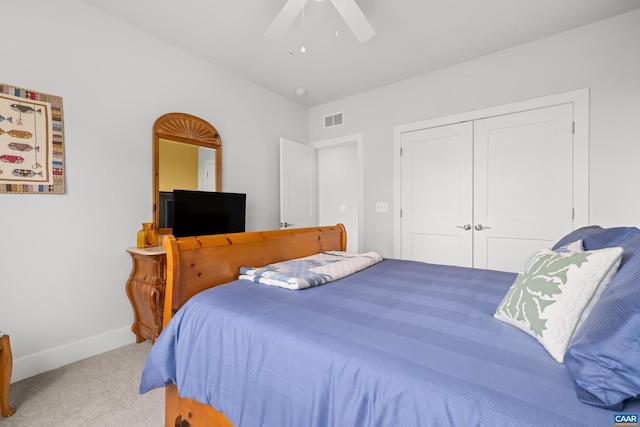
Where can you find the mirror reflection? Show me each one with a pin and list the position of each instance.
(183, 167)
(186, 167)
(187, 156)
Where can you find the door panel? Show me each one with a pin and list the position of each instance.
(338, 187)
(523, 169)
(298, 188)
(210, 176)
(510, 177)
(437, 194)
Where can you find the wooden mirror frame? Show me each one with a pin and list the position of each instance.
(188, 129)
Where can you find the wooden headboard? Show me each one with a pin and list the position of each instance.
(198, 263)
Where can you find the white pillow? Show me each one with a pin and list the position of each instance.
(554, 293)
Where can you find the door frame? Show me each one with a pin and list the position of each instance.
(357, 139)
(580, 100)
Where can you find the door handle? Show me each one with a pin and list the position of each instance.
(464, 227)
(285, 225)
(480, 227)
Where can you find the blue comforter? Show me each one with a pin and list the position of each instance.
(400, 343)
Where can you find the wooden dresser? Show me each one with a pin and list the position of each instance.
(145, 289)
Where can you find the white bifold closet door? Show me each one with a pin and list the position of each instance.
(488, 193)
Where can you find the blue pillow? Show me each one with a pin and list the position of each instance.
(604, 355)
(595, 237)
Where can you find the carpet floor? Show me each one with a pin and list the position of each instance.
(101, 391)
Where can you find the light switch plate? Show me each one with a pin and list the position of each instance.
(382, 206)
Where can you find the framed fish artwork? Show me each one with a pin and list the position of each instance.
(31, 142)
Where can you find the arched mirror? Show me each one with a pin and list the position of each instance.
(187, 155)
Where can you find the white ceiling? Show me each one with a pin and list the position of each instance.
(412, 36)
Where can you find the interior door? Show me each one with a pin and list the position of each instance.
(210, 175)
(437, 195)
(523, 186)
(298, 185)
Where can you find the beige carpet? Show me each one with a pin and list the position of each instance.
(101, 391)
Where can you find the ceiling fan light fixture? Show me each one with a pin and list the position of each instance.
(348, 9)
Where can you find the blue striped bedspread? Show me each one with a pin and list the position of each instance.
(400, 343)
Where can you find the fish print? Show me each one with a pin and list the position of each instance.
(22, 147)
(25, 108)
(7, 158)
(2, 131)
(20, 134)
(9, 119)
(25, 173)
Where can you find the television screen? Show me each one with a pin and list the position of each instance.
(196, 213)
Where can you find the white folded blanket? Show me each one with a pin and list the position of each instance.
(310, 271)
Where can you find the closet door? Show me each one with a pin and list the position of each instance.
(437, 185)
(523, 199)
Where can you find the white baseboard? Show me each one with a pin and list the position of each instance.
(54, 358)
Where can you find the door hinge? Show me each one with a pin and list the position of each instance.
(573, 213)
(573, 128)
(401, 151)
(400, 213)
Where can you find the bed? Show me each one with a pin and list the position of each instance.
(398, 343)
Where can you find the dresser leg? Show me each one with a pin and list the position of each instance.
(6, 364)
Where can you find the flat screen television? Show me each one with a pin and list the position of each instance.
(197, 213)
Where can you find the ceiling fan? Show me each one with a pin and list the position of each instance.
(348, 9)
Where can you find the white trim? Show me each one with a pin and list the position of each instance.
(580, 100)
(358, 139)
(54, 358)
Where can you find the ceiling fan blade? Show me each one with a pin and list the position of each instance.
(355, 19)
(285, 18)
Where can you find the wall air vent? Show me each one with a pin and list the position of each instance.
(333, 120)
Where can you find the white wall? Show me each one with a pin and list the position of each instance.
(604, 57)
(63, 264)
